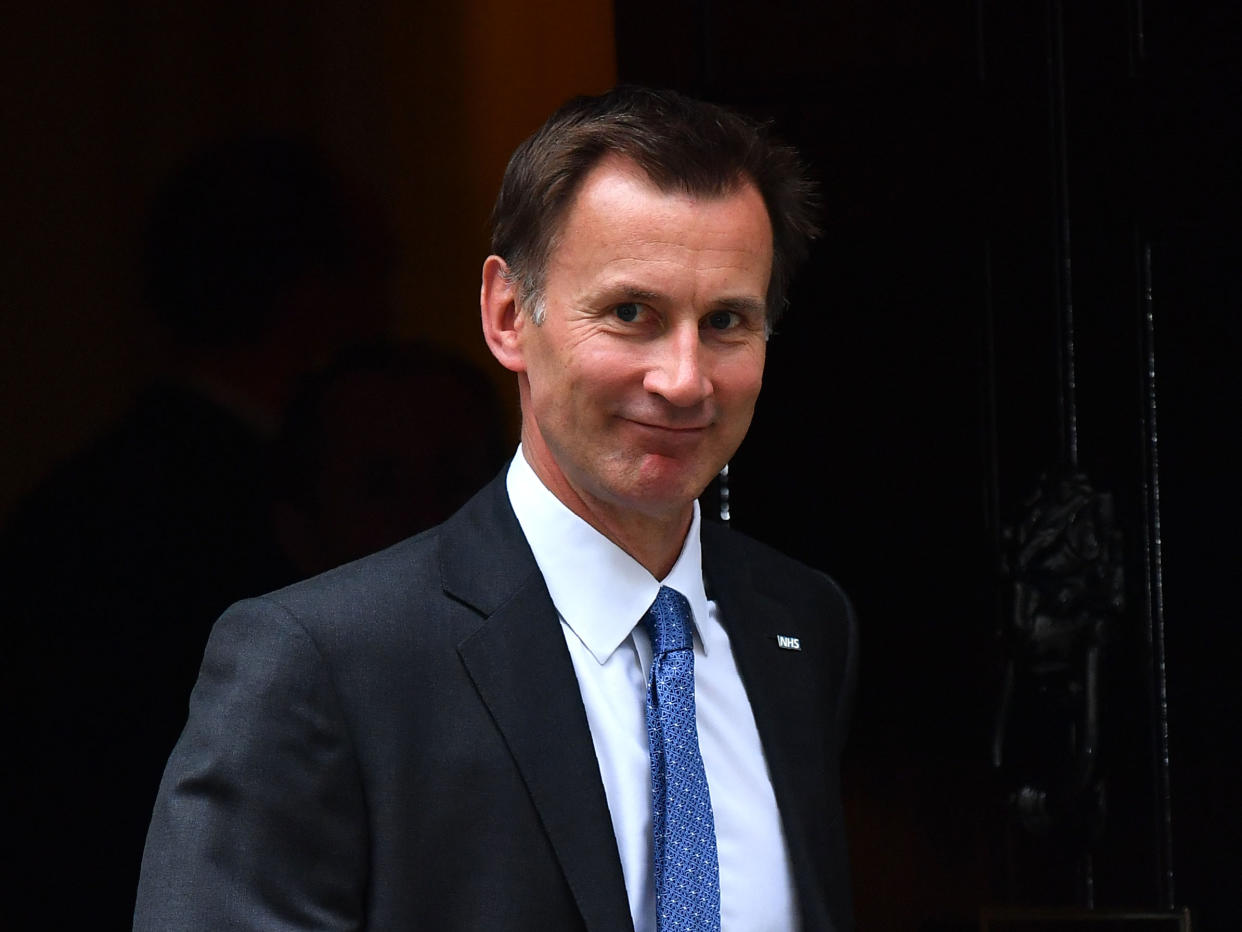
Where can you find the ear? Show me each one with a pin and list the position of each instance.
(502, 324)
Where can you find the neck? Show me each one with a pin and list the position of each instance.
(653, 540)
(655, 544)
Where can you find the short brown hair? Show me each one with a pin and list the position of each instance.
(682, 144)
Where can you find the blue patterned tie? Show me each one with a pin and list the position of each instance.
(687, 877)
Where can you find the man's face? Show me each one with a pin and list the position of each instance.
(641, 381)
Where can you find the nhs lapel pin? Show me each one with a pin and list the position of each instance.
(785, 642)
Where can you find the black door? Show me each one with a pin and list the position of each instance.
(1001, 411)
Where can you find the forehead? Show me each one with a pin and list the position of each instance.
(617, 208)
(616, 172)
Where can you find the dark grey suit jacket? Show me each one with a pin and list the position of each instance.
(401, 744)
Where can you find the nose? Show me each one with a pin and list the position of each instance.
(678, 371)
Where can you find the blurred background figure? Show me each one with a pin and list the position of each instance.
(260, 265)
(388, 440)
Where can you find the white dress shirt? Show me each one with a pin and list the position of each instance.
(601, 593)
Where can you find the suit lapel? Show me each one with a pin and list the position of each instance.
(521, 668)
(783, 687)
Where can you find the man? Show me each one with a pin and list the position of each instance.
(462, 732)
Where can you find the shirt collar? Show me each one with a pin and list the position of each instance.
(599, 590)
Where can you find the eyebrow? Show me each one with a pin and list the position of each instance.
(742, 305)
(625, 292)
(622, 292)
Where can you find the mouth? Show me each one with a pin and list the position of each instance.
(672, 429)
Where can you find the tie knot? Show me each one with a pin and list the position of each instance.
(668, 622)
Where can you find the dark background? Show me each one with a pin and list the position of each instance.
(915, 396)
(915, 392)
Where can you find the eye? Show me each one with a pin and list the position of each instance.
(722, 320)
(627, 312)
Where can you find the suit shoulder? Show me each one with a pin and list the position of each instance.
(382, 589)
(478, 549)
(393, 570)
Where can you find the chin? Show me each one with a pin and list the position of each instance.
(663, 495)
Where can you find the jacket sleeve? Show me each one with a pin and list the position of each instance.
(260, 822)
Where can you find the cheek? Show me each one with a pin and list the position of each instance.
(739, 380)
(547, 375)
(600, 376)
(568, 396)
